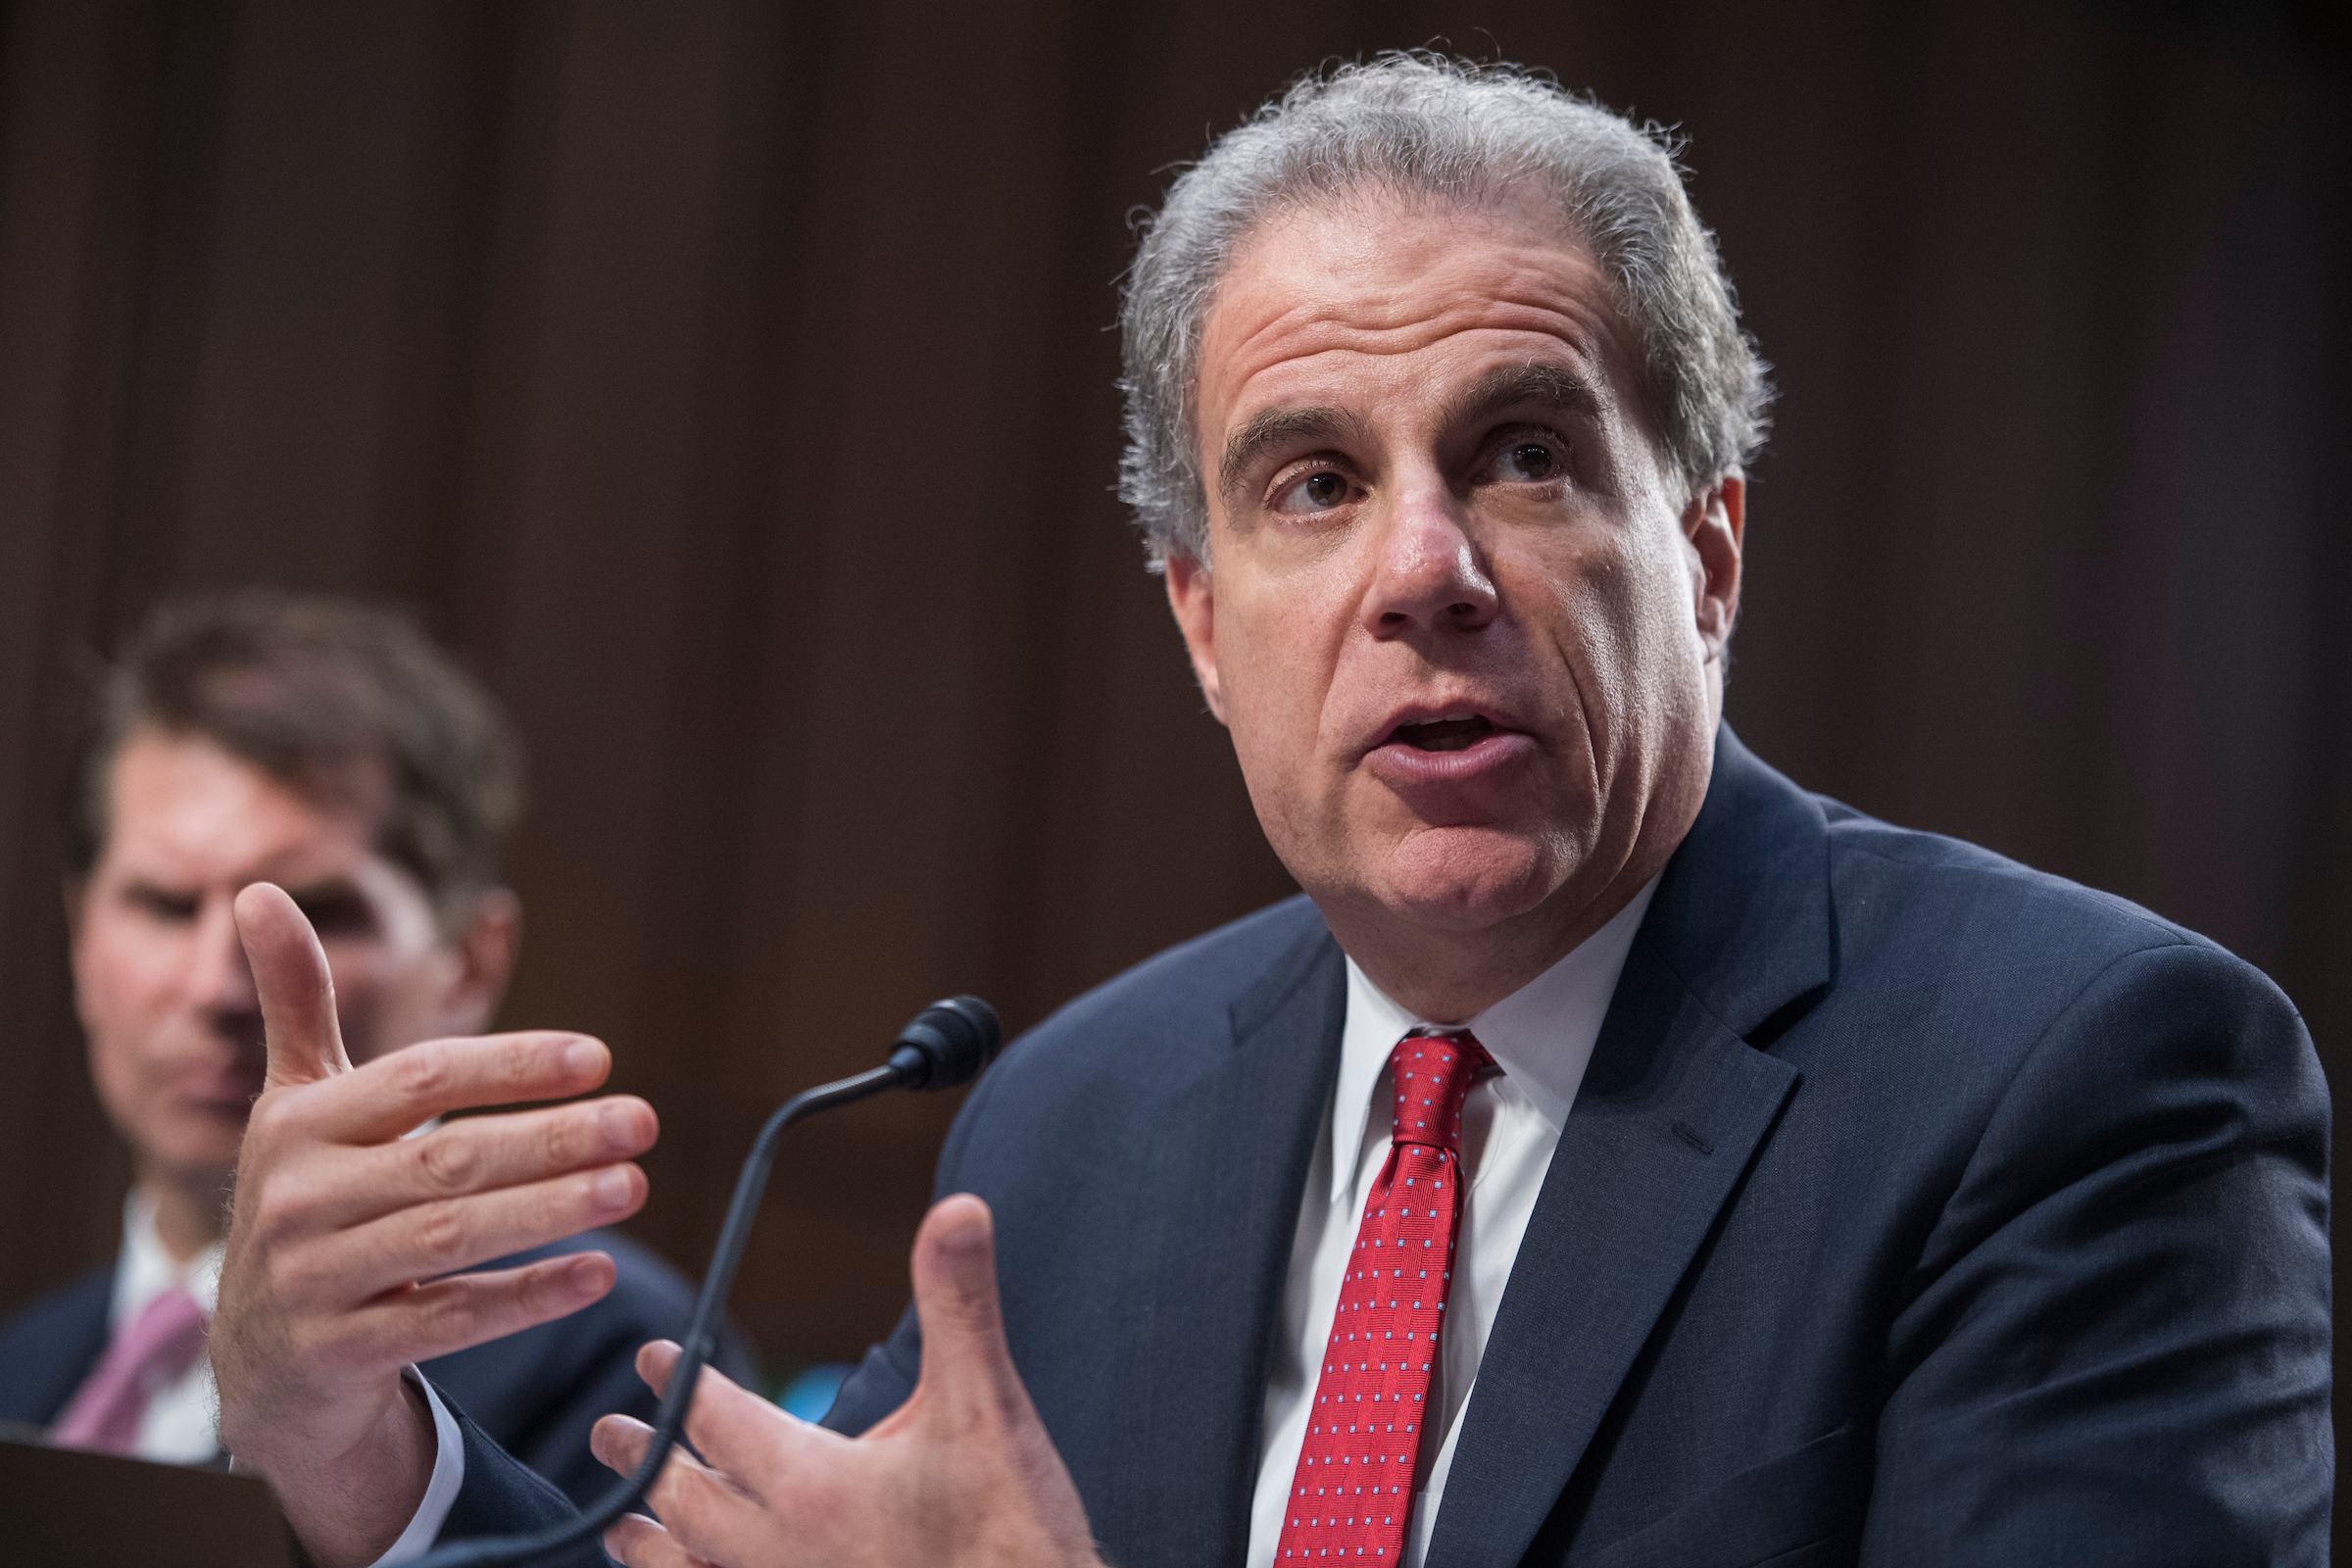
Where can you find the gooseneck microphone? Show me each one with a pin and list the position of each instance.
(945, 1045)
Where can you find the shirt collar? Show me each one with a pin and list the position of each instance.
(1542, 1035)
(147, 1269)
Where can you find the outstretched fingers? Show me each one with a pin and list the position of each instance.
(636, 1541)
(965, 1472)
(440, 1317)
(430, 1240)
(705, 1513)
(483, 1154)
(748, 1437)
(398, 1093)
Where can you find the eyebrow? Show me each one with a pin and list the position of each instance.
(1283, 427)
(139, 884)
(330, 887)
(1554, 386)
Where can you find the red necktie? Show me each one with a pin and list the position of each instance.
(1353, 1492)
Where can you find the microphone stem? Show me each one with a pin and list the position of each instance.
(700, 1338)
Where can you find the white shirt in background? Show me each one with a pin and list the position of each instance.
(182, 1421)
(181, 1424)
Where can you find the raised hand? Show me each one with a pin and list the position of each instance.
(960, 1476)
(346, 1235)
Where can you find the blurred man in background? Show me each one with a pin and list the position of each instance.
(330, 749)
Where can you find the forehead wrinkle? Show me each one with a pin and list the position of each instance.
(1400, 326)
(1528, 281)
(1402, 321)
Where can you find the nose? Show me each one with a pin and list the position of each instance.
(219, 980)
(1428, 575)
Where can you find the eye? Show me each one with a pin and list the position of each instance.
(338, 912)
(1526, 462)
(163, 903)
(1319, 491)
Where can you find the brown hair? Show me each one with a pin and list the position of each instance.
(307, 688)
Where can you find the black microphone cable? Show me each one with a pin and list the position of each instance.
(947, 1043)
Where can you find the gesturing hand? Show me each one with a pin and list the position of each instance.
(346, 1234)
(960, 1476)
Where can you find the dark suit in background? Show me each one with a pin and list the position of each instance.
(536, 1392)
(1916, 1207)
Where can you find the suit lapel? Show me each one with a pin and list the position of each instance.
(49, 1347)
(1739, 940)
(1211, 1258)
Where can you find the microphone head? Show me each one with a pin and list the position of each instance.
(947, 1043)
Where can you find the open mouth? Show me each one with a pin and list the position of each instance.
(1448, 734)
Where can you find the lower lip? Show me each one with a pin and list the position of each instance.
(1404, 766)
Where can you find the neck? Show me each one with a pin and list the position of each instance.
(1447, 976)
(188, 1212)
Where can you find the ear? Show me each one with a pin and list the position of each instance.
(485, 948)
(1193, 596)
(1715, 525)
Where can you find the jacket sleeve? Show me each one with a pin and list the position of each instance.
(2115, 1348)
(503, 1496)
(882, 1381)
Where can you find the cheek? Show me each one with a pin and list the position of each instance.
(118, 1069)
(122, 979)
(1627, 621)
(1274, 664)
(127, 1061)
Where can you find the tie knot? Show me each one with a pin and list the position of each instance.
(1432, 1075)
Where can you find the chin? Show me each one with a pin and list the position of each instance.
(1468, 879)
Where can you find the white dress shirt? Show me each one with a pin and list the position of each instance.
(182, 1420)
(181, 1424)
(1540, 1036)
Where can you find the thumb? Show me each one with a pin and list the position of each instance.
(966, 1361)
(296, 989)
(970, 1389)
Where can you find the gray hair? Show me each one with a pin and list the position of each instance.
(1426, 124)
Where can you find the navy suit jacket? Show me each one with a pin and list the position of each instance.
(536, 1392)
(1916, 1207)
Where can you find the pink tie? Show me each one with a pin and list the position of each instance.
(162, 1342)
(1352, 1492)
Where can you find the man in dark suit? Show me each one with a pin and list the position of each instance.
(1617, 1157)
(332, 748)
(536, 1392)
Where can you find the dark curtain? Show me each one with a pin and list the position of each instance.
(731, 383)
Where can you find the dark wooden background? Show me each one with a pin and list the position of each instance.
(731, 382)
